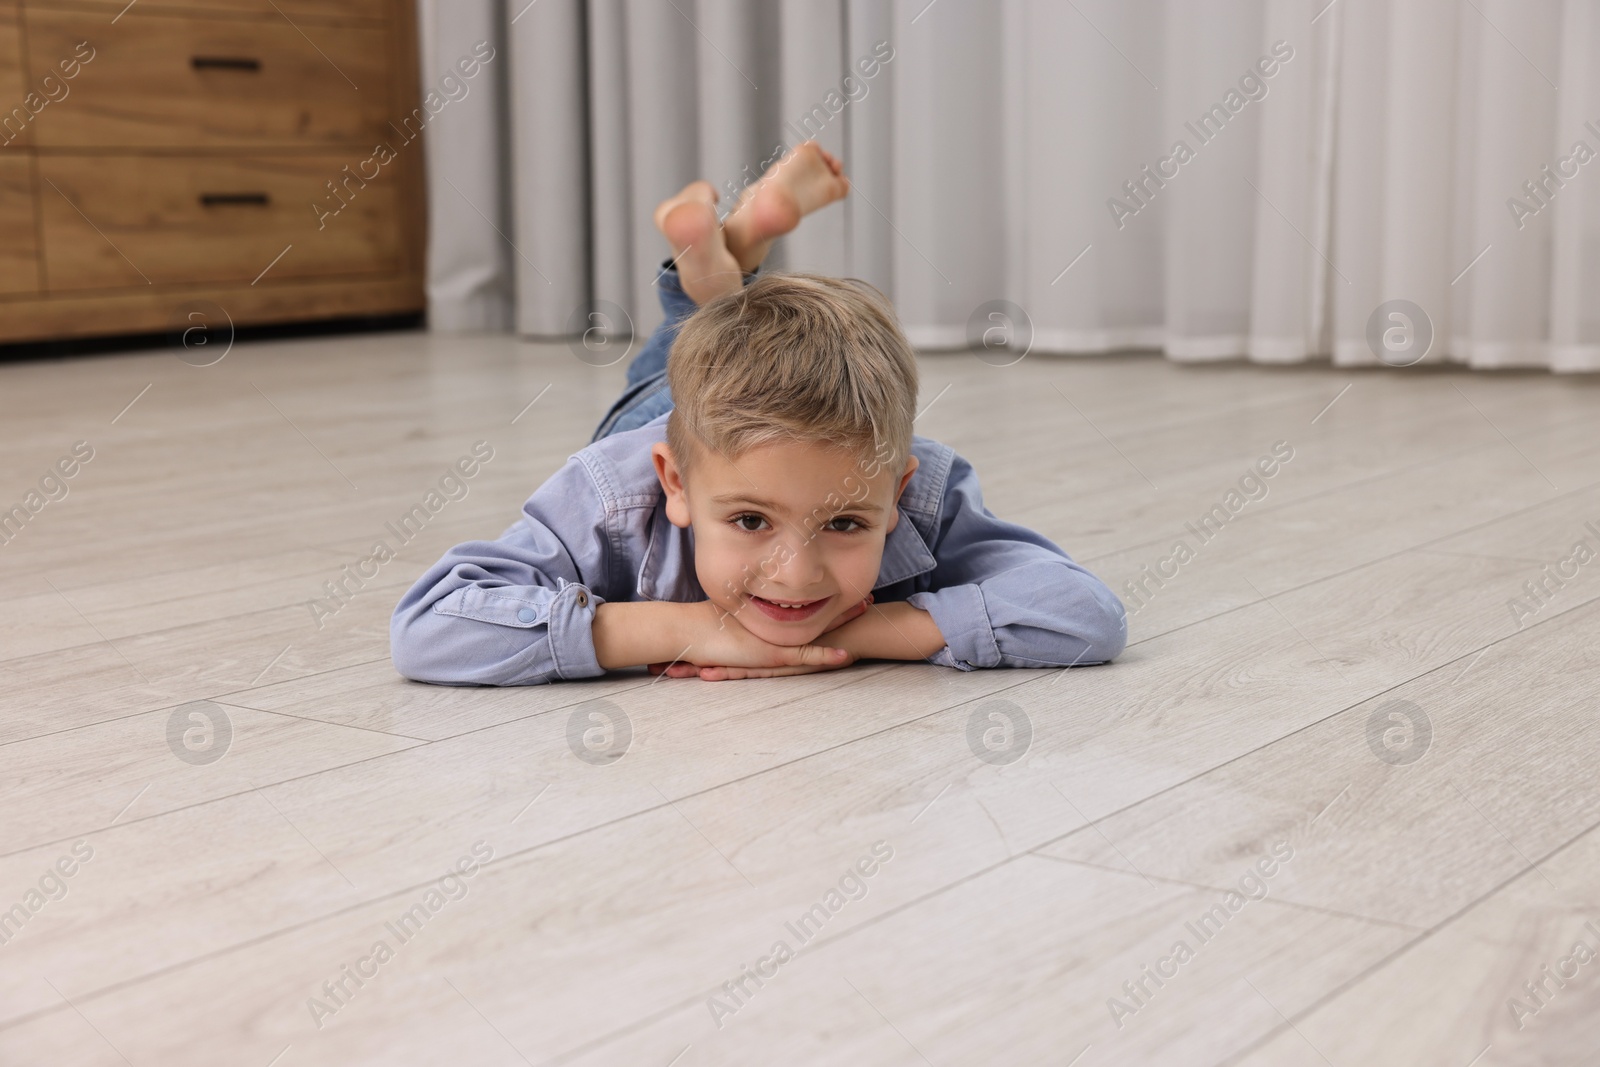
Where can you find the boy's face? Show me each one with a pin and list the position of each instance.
(785, 523)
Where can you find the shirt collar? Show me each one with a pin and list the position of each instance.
(905, 553)
(667, 571)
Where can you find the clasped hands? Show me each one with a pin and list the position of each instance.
(721, 649)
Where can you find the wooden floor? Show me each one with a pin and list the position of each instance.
(1335, 689)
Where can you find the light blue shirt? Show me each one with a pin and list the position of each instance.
(519, 610)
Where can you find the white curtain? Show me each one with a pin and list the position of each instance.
(1337, 156)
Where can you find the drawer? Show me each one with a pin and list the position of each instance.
(19, 246)
(159, 80)
(117, 220)
(327, 10)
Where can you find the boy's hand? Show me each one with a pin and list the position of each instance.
(850, 614)
(728, 651)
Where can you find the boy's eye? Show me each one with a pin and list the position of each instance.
(750, 522)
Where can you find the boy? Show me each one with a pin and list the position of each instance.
(781, 518)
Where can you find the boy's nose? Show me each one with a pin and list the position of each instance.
(803, 568)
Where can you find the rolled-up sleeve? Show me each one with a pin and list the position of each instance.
(516, 611)
(1006, 596)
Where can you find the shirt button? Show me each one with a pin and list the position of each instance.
(527, 615)
(583, 599)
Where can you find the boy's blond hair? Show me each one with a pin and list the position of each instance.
(794, 357)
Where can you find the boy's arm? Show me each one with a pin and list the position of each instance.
(1006, 596)
(896, 630)
(516, 611)
(634, 633)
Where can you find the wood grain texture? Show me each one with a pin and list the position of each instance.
(19, 242)
(125, 220)
(308, 10)
(13, 81)
(208, 158)
(270, 85)
(1250, 711)
(1464, 992)
(161, 309)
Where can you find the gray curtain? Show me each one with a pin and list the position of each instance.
(999, 150)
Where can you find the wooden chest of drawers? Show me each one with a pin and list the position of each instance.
(261, 155)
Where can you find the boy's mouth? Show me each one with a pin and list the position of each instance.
(779, 609)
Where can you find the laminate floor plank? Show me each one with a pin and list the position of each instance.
(1510, 980)
(1052, 832)
(82, 781)
(776, 829)
(1131, 513)
(189, 660)
(929, 982)
(1438, 789)
(1007, 949)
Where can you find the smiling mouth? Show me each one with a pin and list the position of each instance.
(788, 610)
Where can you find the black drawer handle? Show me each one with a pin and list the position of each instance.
(224, 63)
(229, 199)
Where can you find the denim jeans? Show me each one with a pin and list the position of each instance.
(646, 396)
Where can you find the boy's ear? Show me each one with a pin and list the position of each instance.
(905, 480)
(671, 478)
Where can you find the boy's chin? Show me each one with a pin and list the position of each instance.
(778, 634)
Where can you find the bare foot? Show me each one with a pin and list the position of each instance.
(806, 179)
(706, 268)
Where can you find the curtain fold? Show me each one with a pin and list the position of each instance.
(1254, 179)
(470, 277)
(549, 148)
